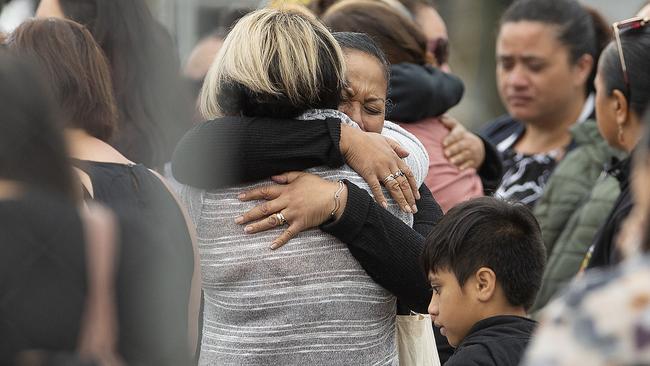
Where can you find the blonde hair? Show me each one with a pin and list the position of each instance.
(277, 53)
(293, 6)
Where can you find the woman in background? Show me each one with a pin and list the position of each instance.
(418, 91)
(623, 93)
(158, 307)
(580, 327)
(546, 56)
(154, 110)
(57, 260)
(576, 197)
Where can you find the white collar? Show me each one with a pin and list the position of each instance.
(587, 109)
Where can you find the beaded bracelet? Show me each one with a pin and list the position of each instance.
(337, 195)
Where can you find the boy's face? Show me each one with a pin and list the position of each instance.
(452, 307)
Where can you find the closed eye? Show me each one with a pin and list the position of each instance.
(373, 111)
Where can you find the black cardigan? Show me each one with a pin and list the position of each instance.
(232, 150)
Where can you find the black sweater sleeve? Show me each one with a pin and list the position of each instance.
(388, 249)
(491, 171)
(233, 150)
(419, 92)
(429, 212)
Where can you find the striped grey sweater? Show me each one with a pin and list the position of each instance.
(308, 303)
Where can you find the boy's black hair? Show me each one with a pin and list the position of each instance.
(486, 232)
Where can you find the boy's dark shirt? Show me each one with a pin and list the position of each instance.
(498, 341)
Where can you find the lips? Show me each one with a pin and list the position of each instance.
(516, 100)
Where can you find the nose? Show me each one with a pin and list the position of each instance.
(517, 78)
(433, 307)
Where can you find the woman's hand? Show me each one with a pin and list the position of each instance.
(305, 200)
(375, 158)
(463, 148)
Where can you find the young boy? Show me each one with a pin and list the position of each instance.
(485, 261)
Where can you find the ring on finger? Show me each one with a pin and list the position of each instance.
(399, 173)
(389, 179)
(281, 220)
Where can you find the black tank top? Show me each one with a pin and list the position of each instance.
(156, 262)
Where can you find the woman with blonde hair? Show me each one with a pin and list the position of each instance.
(310, 301)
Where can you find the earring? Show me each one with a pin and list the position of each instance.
(621, 135)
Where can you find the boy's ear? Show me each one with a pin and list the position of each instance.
(486, 283)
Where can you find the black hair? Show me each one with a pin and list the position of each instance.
(644, 153)
(581, 29)
(486, 232)
(32, 149)
(646, 122)
(363, 43)
(154, 110)
(636, 49)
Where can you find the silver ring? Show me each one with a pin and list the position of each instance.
(281, 219)
(388, 179)
(399, 173)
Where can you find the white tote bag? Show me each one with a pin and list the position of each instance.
(415, 341)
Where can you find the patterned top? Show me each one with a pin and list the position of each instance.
(604, 319)
(307, 303)
(525, 175)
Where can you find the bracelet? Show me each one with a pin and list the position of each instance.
(337, 195)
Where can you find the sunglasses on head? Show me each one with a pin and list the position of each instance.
(439, 48)
(621, 27)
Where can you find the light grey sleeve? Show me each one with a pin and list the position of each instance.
(418, 160)
(191, 198)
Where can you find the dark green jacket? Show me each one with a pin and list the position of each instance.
(576, 201)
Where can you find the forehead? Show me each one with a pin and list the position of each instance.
(366, 71)
(441, 275)
(430, 22)
(526, 38)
